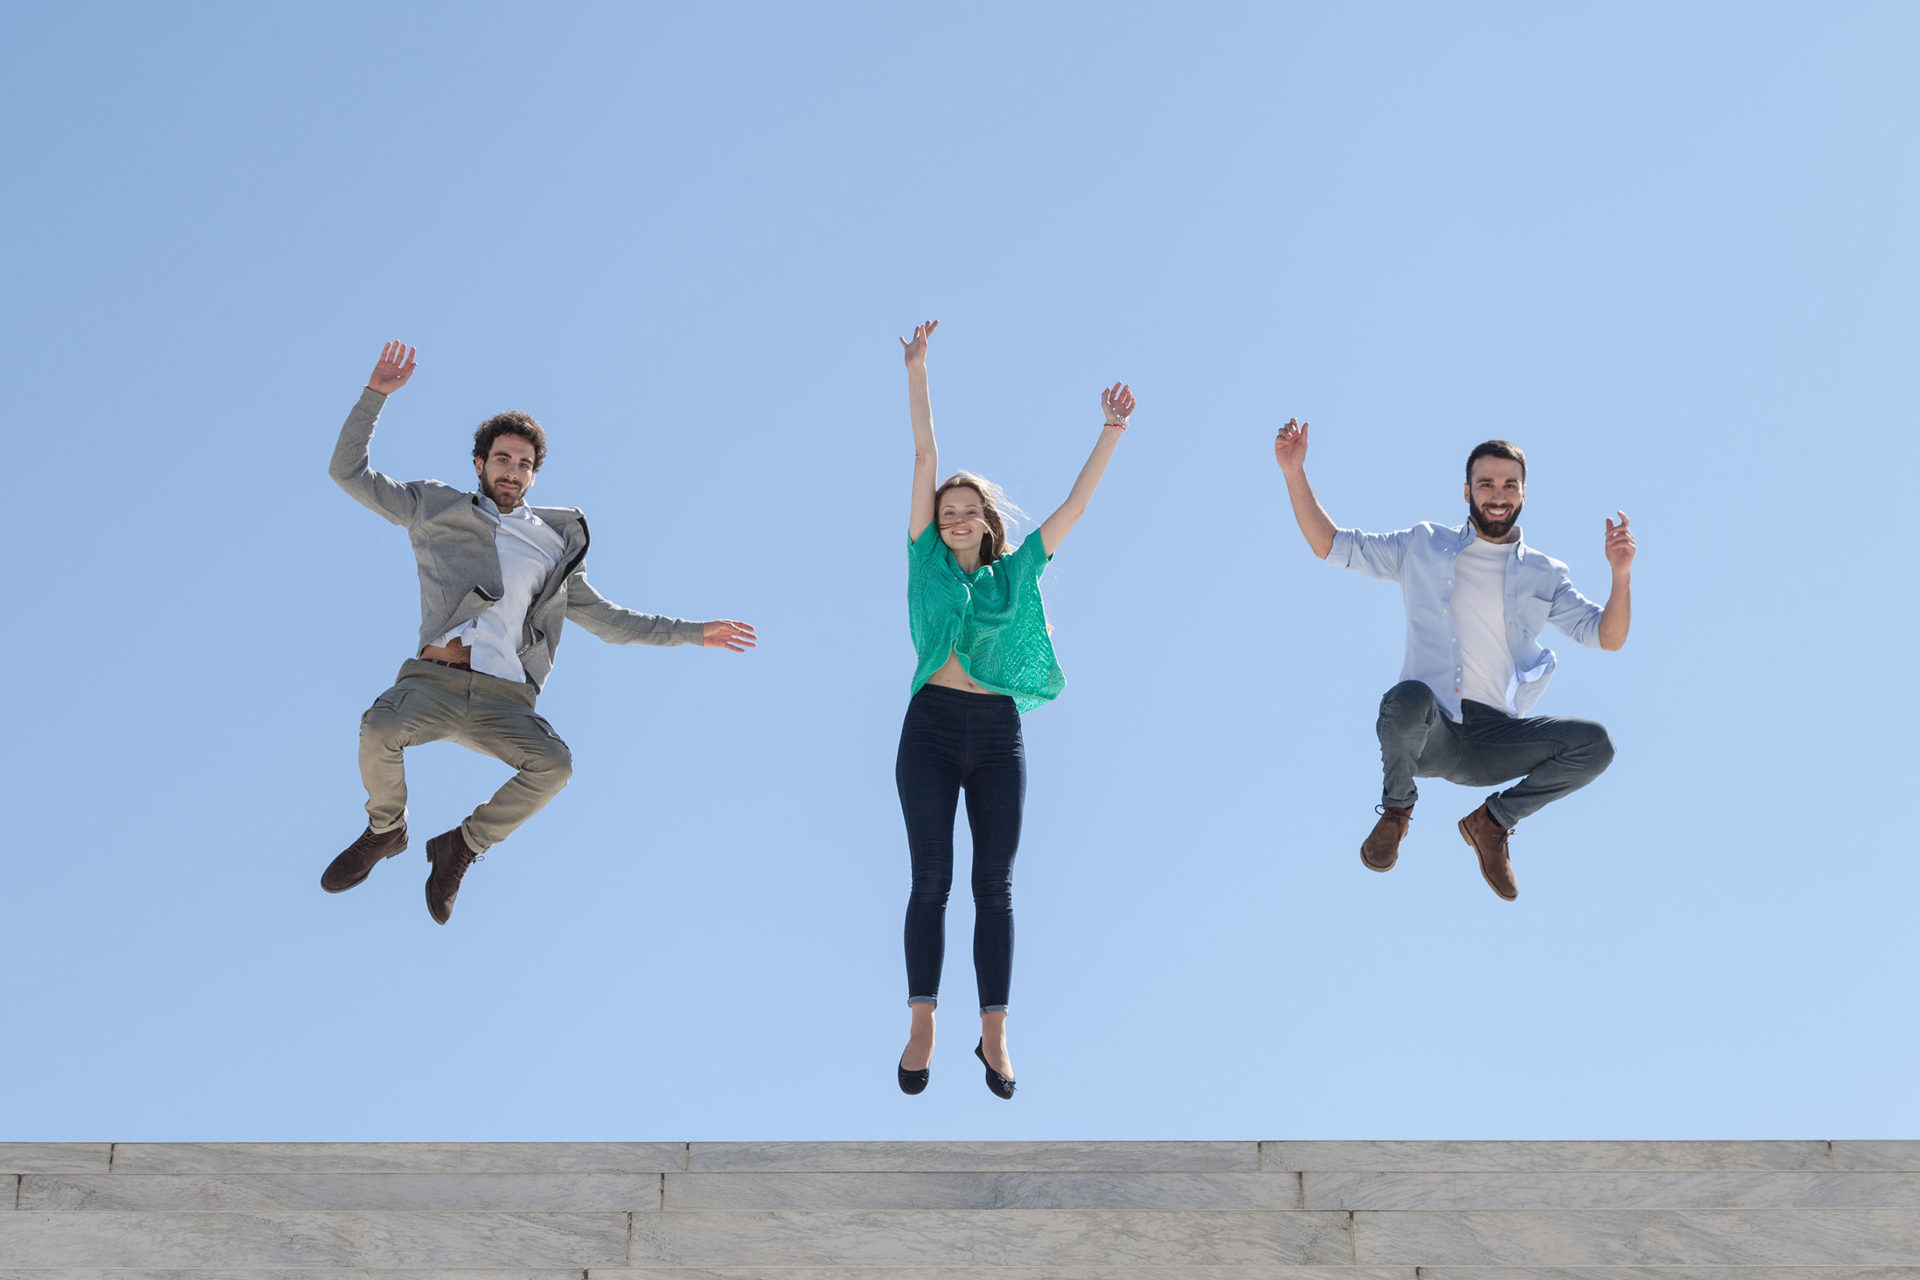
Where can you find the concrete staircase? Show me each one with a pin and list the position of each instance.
(964, 1210)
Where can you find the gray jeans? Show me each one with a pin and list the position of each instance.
(483, 713)
(1551, 755)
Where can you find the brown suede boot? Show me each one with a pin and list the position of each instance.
(357, 861)
(450, 856)
(1489, 841)
(1381, 849)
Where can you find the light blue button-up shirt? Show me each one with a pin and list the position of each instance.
(1420, 559)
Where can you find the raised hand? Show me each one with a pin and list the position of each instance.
(1117, 401)
(1290, 447)
(727, 634)
(917, 349)
(395, 367)
(1620, 546)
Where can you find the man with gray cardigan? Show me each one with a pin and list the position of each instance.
(497, 578)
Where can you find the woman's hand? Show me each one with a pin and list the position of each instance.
(917, 349)
(1117, 401)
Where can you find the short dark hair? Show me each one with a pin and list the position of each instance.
(511, 423)
(1497, 449)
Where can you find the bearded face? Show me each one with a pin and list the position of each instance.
(1495, 494)
(507, 472)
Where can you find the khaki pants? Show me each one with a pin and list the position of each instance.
(483, 713)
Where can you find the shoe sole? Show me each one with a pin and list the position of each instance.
(1462, 826)
(363, 878)
(1382, 870)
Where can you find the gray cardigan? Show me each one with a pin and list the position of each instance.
(460, 568)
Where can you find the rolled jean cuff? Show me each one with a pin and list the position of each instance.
(993, 1008)
(1498, 813)
(932, 1000)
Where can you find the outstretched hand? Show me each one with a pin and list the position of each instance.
(1290, 447)
(917, 349)
(1620, 546)
(395, 367)
(1117, 402)
(727, 634)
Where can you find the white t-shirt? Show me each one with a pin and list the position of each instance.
(1479, 611)
(529, 550)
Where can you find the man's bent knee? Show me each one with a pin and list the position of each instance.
(1407, 702)
(383, 727)
(1597, 748)
(553, 764)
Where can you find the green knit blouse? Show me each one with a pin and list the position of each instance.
(992, 619)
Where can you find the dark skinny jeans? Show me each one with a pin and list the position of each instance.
(951, 741)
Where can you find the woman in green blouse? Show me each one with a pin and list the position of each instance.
(980, 629)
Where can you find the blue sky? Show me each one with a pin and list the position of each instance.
(1668, 249)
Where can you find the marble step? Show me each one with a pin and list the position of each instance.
(219, 1158)
(650, 1193)
(959, 1211)
(1000, 1273)
(975, 1238)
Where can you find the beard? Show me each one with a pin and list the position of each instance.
(493, 495)
(1494, 529)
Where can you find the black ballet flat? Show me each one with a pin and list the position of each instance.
(914, 1081)
(1002, 1086)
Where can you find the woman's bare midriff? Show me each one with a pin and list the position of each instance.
(954, 676)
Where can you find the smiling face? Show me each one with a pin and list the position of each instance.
(1496, 488)
(507, 472)
(961, 514)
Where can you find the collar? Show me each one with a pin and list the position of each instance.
(1466, 533)
(521, 512)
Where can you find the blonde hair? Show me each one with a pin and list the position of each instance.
(995, 510)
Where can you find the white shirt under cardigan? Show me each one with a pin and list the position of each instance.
(1479, 610)
(529, 551)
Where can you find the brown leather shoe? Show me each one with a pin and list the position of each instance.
(450, 856)
(1381, 849)
(357, 861)
(1489, 841)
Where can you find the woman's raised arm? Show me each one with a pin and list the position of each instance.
(926, 455)
(1117, 401)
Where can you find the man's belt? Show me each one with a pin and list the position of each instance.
(448, 655)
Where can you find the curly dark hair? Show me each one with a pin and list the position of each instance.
(511, 423)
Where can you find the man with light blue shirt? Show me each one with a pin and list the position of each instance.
(497, 579)
(1477, 598)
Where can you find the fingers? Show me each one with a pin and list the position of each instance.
(921, 332)
(1620, 543)
(737, 636)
